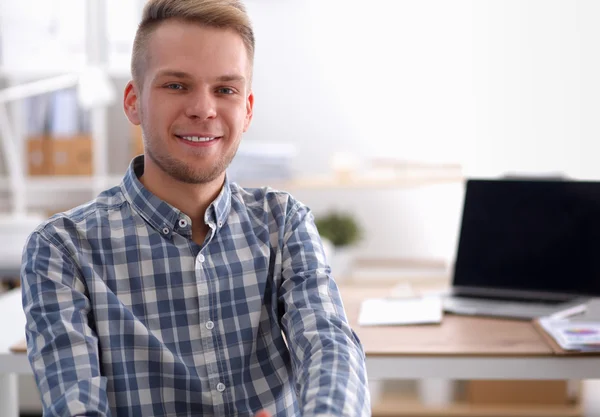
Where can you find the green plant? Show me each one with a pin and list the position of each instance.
(341, 229)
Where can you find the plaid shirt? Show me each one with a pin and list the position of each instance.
(127, 316)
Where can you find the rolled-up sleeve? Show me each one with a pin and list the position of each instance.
(328, 359)
(62, 347)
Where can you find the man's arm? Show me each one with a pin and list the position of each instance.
(62, 348)
(328, 360)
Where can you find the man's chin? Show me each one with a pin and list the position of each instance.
(187, 173)
(196, 177)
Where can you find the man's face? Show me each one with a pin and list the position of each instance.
(195, 100)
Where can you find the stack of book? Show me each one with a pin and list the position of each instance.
(261, 161)
(574, 334)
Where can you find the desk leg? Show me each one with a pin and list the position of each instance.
(436, 392)
(9, 395)
(375, 390)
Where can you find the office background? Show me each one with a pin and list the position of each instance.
(497, 86)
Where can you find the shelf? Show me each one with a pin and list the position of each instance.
(355, 182)
(63, 183)
(405, 406)
(84, 183)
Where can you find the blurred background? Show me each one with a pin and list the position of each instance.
(370, 111)
(376, 109)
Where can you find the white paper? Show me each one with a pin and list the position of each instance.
(400, 311)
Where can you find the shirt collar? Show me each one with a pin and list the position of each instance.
(160, 214)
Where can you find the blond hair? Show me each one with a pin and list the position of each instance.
(222, 14)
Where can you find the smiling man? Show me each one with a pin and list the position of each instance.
(179, 293)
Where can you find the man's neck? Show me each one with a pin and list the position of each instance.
(191, 199)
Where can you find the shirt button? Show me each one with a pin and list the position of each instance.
(183, 223)
(210, 325)
(220, 224)
(165, 230)
(200, 258)
(220, 387)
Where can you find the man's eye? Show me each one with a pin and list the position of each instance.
(174, 86)
(225, 90)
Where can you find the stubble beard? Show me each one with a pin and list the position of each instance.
(182, 171)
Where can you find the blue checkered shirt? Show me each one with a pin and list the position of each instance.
(127, 316)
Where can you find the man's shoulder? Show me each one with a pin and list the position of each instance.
(86, 214)
(265, 199)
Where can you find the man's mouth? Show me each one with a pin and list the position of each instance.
(198, 139)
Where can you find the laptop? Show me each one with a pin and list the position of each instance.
(527, 248)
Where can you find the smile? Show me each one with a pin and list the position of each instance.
(198, 138)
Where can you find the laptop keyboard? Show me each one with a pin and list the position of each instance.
(518, 301)
(498, 307)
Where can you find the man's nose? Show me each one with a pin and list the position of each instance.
(202, 105)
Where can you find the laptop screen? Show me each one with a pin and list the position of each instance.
(534, 235)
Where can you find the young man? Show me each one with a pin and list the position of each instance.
(178, 293)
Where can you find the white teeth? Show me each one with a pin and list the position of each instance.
(196, 139)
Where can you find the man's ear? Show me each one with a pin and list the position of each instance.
(131, 103)
(249, 110)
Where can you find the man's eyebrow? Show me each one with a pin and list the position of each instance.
(172, 73)
(185, 75)
(231, 77)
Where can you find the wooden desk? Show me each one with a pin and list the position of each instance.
(456, 335)
(461, 348)
(502, 349)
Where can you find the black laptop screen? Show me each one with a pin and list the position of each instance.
(533, 235)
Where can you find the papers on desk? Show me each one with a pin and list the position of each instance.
(400, 311)
(573, 336)
(576, 332)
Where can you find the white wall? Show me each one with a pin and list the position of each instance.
(499, 86)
